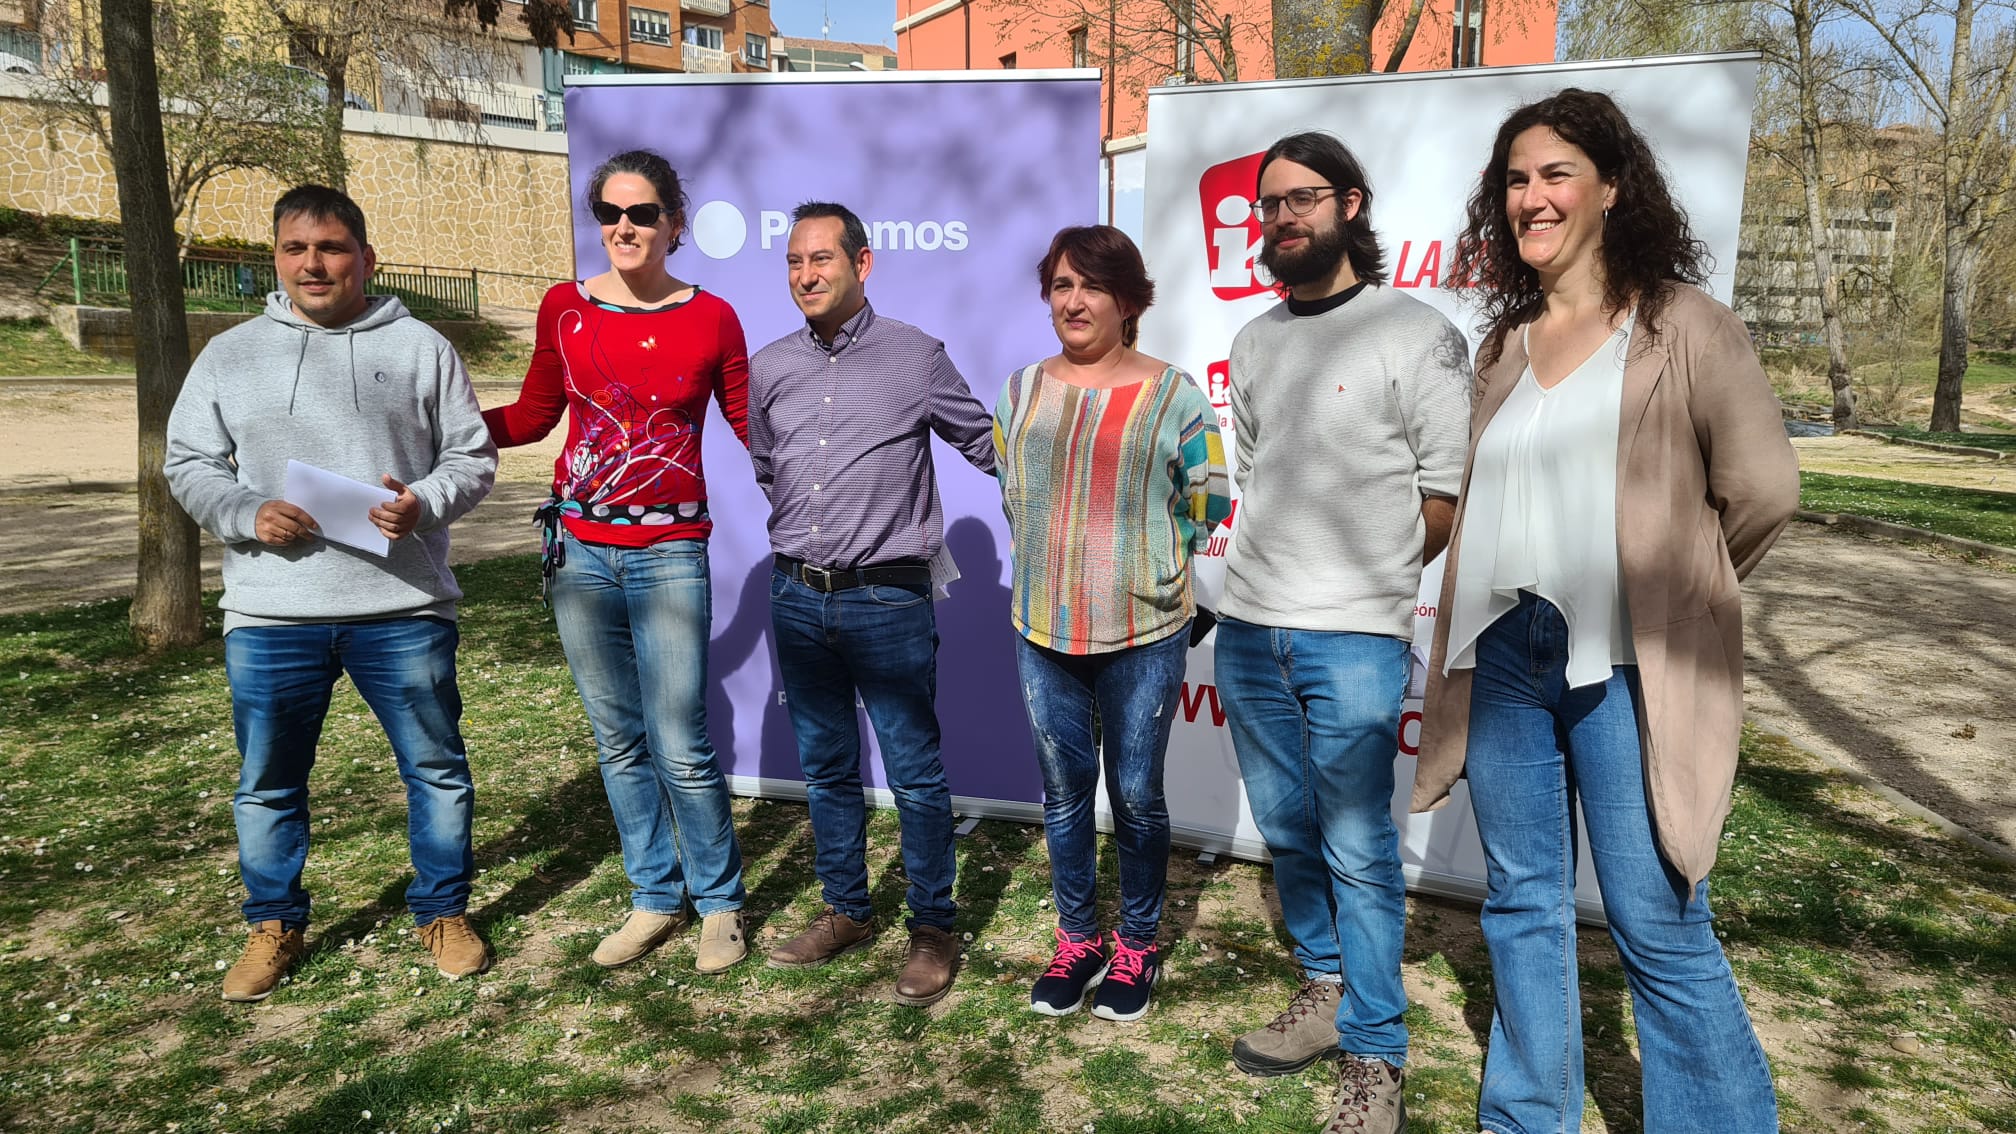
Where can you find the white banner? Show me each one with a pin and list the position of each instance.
(1422, 139)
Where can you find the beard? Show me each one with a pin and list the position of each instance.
(1312, 262)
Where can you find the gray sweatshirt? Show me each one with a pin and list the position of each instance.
(1345, 420)
(384, 393)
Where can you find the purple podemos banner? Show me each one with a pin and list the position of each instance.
(962, 180)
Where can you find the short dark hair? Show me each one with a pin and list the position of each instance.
(1107, 257)
(321, 203)
(1647, 241)
(1334, 162)
(853, 234)
(648, 165)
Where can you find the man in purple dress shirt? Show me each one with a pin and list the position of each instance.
(840, 421)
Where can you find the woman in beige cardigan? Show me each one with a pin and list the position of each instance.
(1628, 466)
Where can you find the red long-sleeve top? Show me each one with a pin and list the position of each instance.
(636, 384)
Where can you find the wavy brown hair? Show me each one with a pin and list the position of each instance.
(1647, 242)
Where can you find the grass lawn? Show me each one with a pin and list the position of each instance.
(1850, 925)
(32, 347)
(1965, 512)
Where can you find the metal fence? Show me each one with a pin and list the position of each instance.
(216, 280)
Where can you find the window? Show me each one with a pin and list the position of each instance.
(756, 49)
(704, 35)
(1008, 62)
(649, 26)
(1080, 47)
(1467, 44)
(583, 13)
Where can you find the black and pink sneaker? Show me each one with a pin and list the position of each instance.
(1129, 980)
(1076, 967)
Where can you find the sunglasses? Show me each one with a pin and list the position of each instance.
(643, 215)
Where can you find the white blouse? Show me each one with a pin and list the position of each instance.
(1542, 516)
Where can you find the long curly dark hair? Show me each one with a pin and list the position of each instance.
(1647, 242)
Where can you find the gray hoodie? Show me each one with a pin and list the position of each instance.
(384, 393)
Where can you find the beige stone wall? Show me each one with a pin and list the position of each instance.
(437, 201)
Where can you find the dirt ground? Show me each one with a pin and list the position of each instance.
(1885, 657)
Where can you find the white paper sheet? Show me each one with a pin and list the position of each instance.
(341, 507)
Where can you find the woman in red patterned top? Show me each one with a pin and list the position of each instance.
(633, 355)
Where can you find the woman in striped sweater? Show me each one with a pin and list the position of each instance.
(1112, 475)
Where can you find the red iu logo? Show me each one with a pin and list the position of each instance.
(1218, 383)
(1231, 231)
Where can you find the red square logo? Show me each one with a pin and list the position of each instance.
(1231, 231)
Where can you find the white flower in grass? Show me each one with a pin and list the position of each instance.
(221, 965)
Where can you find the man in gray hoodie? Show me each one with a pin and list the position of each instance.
(353, 385)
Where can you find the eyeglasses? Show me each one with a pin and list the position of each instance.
(643, 215)
(1299, 201)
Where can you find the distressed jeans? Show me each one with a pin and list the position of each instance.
(1119, 704)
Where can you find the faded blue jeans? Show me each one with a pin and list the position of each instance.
(1315, 719)
(634, 623)
(882, 643)
(281, 679)
(1121, 704)
(1535, 747)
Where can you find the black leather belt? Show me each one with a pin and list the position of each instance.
(835, 579)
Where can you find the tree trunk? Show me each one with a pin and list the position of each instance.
(335, 163)
(1812, 172)
(1323, 37)
(1955, 301)
(167, 606)
(1956, 290)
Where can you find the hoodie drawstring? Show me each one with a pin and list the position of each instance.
(299, 361)
(356, 402)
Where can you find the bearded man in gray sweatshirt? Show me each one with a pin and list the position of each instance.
(355, 386)
(1352, 412)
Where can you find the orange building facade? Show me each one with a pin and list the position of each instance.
(1137, 45)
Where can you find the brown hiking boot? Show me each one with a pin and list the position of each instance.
(458, 951)
(642, 932)
(830, 934)
(927, 972)
(269, 952)
(1369, 1098)
(723, 942)
(1303, 1033)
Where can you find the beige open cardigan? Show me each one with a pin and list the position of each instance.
(1706, 480)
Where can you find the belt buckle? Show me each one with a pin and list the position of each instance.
(825, 582)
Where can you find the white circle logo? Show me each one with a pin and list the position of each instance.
(719, 229)
(1234, 211)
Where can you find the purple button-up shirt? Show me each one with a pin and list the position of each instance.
(840, 435)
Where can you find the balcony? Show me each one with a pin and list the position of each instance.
(704, 7)
(705, 60)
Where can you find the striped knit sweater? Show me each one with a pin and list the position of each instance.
(1108, 494)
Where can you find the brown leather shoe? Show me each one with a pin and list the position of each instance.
(270, 951)
(458, 949)
(830, 934)
(927, 972)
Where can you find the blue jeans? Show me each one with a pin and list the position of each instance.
(882, 643)
(1315, 718)
(1120, 703)
(634, 624)
(1535, 746)
(281, 678)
